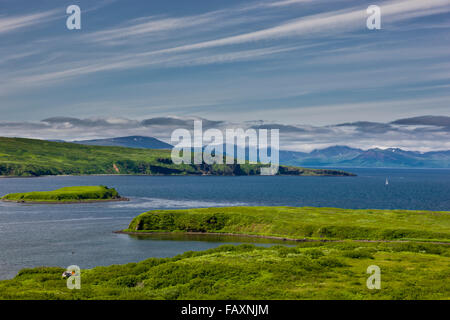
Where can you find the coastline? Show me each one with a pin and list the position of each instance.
(67, 202)
(348, 174)
(271, 237)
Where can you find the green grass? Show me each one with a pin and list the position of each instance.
(28, 157)
(306, 271)
(79, 193)
(299, 223)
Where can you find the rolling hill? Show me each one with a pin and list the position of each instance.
(29, 157)
(128, 142)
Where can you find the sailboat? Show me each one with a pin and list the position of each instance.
(387, 181)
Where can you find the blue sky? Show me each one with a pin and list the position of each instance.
(290, 61)
(308, 67)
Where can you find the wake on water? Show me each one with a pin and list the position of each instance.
(159, 203)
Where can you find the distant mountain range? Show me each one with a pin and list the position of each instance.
(343, 156)
(336, 156)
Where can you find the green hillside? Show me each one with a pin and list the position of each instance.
(67, 194)
(299, 223)
(29, 157)
(306, 271)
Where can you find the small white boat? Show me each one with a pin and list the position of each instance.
(387, 181)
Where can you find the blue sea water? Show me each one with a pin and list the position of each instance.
(64, 234)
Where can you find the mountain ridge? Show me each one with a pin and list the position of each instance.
(127, 141)
(337, 155)
(374, 157)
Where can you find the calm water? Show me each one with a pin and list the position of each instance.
(81, 234)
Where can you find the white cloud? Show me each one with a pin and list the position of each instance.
(149, 26)
(283, 3)
(330, 22)
(298, 137)
(335, 21)
(12, 23)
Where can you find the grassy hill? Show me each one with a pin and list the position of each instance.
(129, 142)
(299, 223)
(29, 157)
(67, 194)
(306, 271)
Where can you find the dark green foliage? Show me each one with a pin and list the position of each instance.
(330, 262)
(126, 281)
(306, 271)
(359, 253)
(173, 221)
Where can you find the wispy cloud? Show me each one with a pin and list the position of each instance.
(324, 50)
(12, 23)
(165, 27)
(133, 61)
(149, 26)
(283, 3)
(335, 21)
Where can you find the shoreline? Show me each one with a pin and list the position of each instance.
(67, 202)
(351, 174)
(348, 174)
(271, 237)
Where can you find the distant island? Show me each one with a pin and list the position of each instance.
(67, 195)
(31, 158)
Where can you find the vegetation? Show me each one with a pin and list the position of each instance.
(300, 223)
(67, 194)
(306, 270)
(310, 270)
(27, 157)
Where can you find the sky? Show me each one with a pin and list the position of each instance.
(302, 63)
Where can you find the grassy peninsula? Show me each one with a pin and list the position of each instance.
(30, 157)
(67, 195)
(300, 223)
